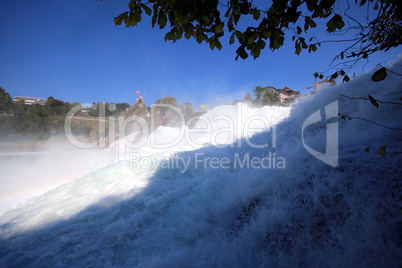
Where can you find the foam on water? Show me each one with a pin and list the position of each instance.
(301, 212)
(120, 177)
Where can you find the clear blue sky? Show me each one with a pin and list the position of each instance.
(71, 50)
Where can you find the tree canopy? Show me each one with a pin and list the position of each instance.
(168, 101)
(254, 27)
(6, 102)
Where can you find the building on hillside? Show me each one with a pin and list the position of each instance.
(291, 92)
(285, 95)
(270, 88)
(274, 91)
(203, 108)
(30, 100)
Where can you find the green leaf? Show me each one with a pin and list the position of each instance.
(162, 19)
(315, 75)
(367, 150)
(313, 48)
(212, 44)
(118, 21)
(321, 76)
(148, 11)
(232, 39)
(137, 16)
(219, 28)
(187, 35)
(310, 22)
(227, 14)
(206, 19)
(236, 11)
(346, 79)
(382, 150)
(218, 44)
(256, 14)
(333, 76)
(256, 53)
(132, 5)
(340, 24)
(130, 20)
(306, 25)
(299, 30)
(230, 24)
(373, 101)
(261, 44)
(336, 22)
(241, 52)
(379, 75)
(298, 48)
(266, 33)
(199, 38)
(252, 38)
(244, 55)
(343, 72)
(330, 26)
(153, 20)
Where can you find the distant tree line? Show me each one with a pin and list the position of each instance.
(110, 109)
(19, 121)
(6, 103)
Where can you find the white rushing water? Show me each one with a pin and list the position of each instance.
(216, 199)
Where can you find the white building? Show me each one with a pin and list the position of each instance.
(30, 100)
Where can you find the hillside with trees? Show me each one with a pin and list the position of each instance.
(19, 121)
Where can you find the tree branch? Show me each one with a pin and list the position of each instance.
(372, 122)
(360, 98)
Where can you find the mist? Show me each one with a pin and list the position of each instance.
(271, 196)
(31, 169)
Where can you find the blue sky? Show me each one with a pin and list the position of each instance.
(71, 50)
